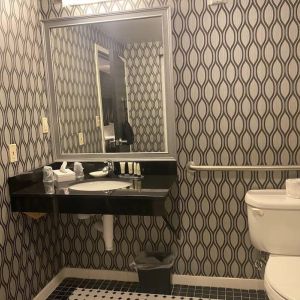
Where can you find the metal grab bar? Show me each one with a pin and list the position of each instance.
(192, 167)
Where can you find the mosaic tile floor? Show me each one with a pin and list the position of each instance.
(87, 289)
(83, 294)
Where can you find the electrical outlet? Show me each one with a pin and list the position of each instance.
(45, 125)
(97, 121)
(80, 138)
(13, 156)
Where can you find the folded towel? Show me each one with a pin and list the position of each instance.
(293, 187)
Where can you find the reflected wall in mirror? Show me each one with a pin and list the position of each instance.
(109, 86)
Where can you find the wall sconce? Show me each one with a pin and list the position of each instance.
(79, 2)
(215, 2)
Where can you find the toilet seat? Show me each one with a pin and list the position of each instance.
(282, 277)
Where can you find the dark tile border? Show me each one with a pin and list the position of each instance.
(68, 285)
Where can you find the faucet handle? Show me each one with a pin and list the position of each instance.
(110, 165)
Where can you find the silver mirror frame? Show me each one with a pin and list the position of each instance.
(165, 14)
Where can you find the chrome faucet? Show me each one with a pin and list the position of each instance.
(109, 168)
(110, 165)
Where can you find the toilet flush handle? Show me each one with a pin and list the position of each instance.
(258, 212)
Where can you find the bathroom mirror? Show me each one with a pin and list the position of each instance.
(110, 84)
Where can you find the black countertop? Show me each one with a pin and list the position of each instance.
(144, 196)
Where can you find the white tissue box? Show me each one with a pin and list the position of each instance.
(293, 187)
(59, 176)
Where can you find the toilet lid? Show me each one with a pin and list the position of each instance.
(271, 199)
(283, 275)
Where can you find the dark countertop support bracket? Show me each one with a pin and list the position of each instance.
(176, 232)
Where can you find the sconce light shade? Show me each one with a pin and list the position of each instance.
(79, 2)
(215, 2)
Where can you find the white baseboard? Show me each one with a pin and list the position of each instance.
(51, 286)
(223, 282)
(101, 274)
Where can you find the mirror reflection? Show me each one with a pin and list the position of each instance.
(109, 86)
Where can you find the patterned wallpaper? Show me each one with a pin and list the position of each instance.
(29, 250)
(236, 70)
(237, 92)
(76, 88)
(145, 96)
(75, 85)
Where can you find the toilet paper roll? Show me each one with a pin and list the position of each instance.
(293, 187)
(84, 216)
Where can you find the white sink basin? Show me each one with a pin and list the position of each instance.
(97, 186)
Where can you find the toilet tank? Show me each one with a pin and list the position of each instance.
(274, 221)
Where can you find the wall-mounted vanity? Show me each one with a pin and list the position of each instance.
(142, 197)
(111, 97)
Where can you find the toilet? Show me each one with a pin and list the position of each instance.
(274, 226)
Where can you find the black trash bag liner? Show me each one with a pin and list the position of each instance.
(153, 260)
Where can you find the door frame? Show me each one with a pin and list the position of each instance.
(100, 49)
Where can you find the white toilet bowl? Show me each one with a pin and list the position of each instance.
(282, 277)
(274, 222)
(272, 294)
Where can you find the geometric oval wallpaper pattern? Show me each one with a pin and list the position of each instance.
(236, 95)
(73, 53)
(236, 76)
(145, 109)
(72, 50)
(29, 250)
